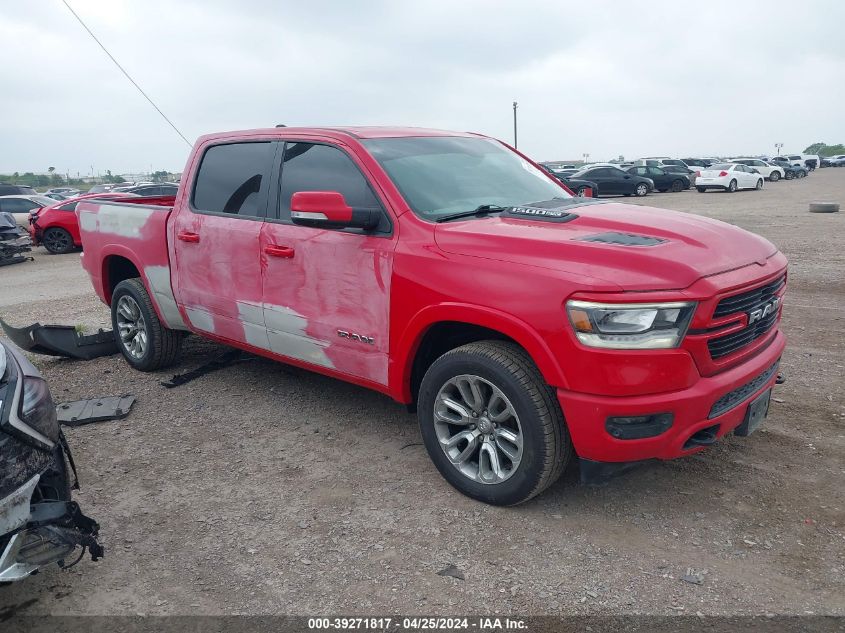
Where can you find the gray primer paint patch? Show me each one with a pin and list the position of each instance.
(286, 331)
(159, 279)
(126, 221)
(200, 319)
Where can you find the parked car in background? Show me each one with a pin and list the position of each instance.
(660, 161)
(577, 186)
(68, 192)
(791, 171)
(102, 188)
(729, 177)
(612, 181)
(40, 525)
(769, 172)
(13, 190)
(56, 227)
(153, 190)
(20, 206)
(837, 161)
(697, 163)
(55, 196)
(663, 180)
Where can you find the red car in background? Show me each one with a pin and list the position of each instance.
(56, 226)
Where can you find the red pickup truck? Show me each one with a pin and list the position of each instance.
(452, 273)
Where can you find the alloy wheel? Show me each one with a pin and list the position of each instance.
(132, 327)
(478, 429)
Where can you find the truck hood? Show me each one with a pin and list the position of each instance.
(659, 249)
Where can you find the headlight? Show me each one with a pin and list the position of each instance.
(37, 408)
(630, 325)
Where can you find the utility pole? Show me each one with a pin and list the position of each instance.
(778, 146)
(515, 106)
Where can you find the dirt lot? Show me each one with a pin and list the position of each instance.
(266, 489)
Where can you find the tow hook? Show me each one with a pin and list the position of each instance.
(780, 379)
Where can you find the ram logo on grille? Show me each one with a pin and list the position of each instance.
(763, 311)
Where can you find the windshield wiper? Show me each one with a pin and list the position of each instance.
(480, 211)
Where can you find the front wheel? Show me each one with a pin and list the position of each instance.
(678, 185)
(142, 339)
(641, 190)
(774, 176)
(57, 240)
(490, 423)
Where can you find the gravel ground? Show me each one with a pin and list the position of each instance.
(267, 489)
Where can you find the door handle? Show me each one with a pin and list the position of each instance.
(279, 251)
(187, 236)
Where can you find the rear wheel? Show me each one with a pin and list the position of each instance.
(678, 185)
(731, 186)
(774, 176)
(581, 191)
(142, 339)
(759, 184)
(57, 240)
(490, 423)
(700, 189)
(641, 190)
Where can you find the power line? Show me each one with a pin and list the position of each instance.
(134, 83)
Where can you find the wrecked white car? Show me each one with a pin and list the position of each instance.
(39, 523)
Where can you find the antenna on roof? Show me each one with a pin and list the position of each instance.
(281, 125)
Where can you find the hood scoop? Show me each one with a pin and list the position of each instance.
(623, 239)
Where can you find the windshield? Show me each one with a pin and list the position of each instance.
(443, 175)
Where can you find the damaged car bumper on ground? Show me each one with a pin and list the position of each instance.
(39, 523)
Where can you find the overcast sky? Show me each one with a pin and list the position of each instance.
(709, 77)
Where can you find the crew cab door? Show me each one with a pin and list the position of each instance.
(326, 291)
(215, 236)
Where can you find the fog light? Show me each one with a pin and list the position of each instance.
(637, 427)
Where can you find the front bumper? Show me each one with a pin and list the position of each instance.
(692, 408)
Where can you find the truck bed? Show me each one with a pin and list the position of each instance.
(132, 232)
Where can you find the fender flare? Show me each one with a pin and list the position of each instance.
(402, 360)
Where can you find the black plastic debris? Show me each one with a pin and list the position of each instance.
(14, 241)
(81, 412)
(61, 340)
(223, 360)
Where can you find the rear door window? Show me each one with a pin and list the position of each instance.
(233, 179)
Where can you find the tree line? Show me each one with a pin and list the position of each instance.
(822, 149)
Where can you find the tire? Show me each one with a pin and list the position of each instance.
(731, 187)
(57, 240)
(641, 190)
(802, 174)
(153, 346)
(700, 189)
(531, 414)
(824, 207)
(759, 185)
(581, 191)
(788, 176)
(774, 176)
(677, 186)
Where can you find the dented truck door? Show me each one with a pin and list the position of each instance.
(216, 241)
(326, 290)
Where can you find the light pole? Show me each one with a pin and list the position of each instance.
(515, 106)
(778, 146)
(586, 157)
